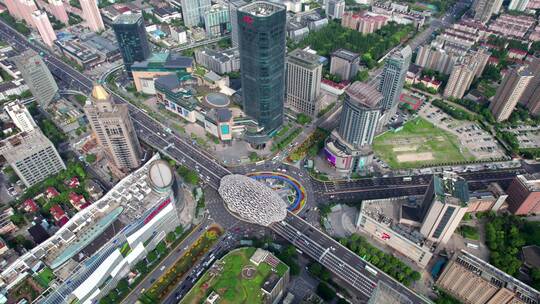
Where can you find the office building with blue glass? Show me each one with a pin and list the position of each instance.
(131, 36)
(261, 29)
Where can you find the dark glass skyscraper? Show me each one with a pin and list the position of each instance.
(261, 29)
(131, 37)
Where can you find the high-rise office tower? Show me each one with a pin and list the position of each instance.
(113, 129)
(304, 72)
(444, 205)
(509, 92)
(132, 40)
(393, 77)
(344, 64)
(349, 149)
(359, 115)
(59, 11)
(32, 156)
(45, 29)
(216, 21)
(234, 5)
(37, 76)
(518, 5)
(460, 79)
(484, 9)
(335, 9)
(262, 61)
(193, 11)
(20, 116)
(91, 15)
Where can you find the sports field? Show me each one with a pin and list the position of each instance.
(230, 283)
(417, 144)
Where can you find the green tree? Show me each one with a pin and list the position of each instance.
(171, 237)
(90, 158)
(325, 292)
(179, 230)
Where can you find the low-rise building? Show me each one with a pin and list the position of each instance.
(160, 64)
(380, 219)
(79, 53)
(220, 62)
(166, 14)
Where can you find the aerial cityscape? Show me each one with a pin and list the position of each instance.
(270, 151)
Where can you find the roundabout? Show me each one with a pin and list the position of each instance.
(287, 187)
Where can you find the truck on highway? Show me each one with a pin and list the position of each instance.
(371, 270)
(407, 179)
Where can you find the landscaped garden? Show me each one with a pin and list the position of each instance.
(237, 281)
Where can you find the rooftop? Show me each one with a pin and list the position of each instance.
(304, 58)
(262, 8)
(346, 54)
(166, 60)
(364, 94)
(127, 19)
(252, 200)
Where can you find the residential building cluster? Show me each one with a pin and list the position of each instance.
(470, 279)
(364, 22)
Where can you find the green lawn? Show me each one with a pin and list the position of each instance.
(419, 143)
(229, 284)
(45, 277)
(469, 232)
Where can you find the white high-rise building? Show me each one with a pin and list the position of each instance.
(193, 11)
(32, 156)
(37, 76)
(304, 72)
(20, 116)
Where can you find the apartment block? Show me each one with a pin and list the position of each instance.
(524, 195)
(32, 156)
(472, 280)
(509, 92)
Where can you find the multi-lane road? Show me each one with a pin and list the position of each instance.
(338, 259)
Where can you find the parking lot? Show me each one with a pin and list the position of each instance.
(480, 143)
(528, 136)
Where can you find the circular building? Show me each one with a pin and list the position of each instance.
(217, 100)
(252, 200)
(161, 175)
